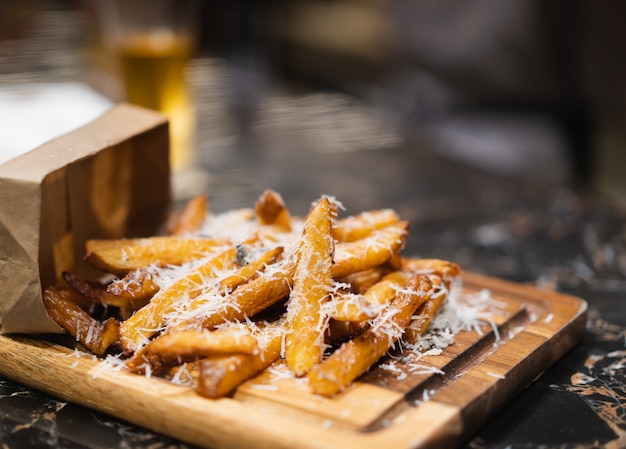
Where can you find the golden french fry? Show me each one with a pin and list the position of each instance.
(442, 268)
(87, 295)
(249, 271)
(94, 245)
(220, 375)
(245, 301)
(147, 321)
(394, 263)
(356, 356)
(99, 294)
(191, 217)
(93, 335)
(351, 307)
(270, 209)
(138, 285)
(380, 293)
(427, 311)
(374, 250)
(191, 345)
(386, 289)
(359, 226)
(247, 297)
(362, 280)
(161, 251)
(341, 331)
(306, 323)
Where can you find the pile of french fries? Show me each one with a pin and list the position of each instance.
(225, 299)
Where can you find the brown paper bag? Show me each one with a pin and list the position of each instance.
(107, 179)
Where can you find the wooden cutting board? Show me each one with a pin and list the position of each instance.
(481, 372)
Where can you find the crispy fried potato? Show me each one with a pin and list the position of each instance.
(270, 209)
(138, 253)
(356, 356)
(427, 311)
(220, 375)
(442, 268)
(147, 321)
(268, 289)
(341, 331)
(386, 289)
(362, 280)
(250, 270)
(245, 301)
(89, 296)
(94, 245)
(378, 294)
(95, 336)
(191, 217)
(176, 348)
(306, 323)
(100, 294)
(359, 226)
(374, 250)
(351, 307)
(138, 285)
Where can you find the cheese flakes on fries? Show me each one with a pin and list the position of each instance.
(226, 296)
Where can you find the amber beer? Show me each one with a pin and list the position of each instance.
(153, 71)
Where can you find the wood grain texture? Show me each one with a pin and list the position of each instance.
(481, 373)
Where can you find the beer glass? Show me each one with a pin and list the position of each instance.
(151, 42)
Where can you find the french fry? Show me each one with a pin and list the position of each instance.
(93, 335)
(147, 321)
(191, 217)
(95, 245)
(442, 268)
(270, 209)
(138, 285)
(306, 323)
(427, 311)
(138, 253)
(84, 294)
(101, 295)
(341, 331)
(247, 300)
(380, 293)
(362, 280)
(188, 346)
(249, 271)
(250, 300)
(220, 375)
(374, 250)
(356, 356)
(384, 290)
(359, 226)
(351, 307)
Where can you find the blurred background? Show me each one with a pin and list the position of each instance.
(531, 89)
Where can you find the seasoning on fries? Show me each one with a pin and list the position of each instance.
(228, 295)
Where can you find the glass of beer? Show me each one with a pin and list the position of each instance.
(151, 42)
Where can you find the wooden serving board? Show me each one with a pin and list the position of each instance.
(481, 372)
